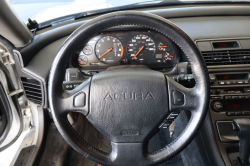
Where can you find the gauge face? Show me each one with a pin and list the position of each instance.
(82, 60)
(169, 59)
(141, 48)
(162, 47)
(168, 53)
(109, 50)
(87, 50)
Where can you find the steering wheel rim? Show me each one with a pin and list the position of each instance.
(196, 99)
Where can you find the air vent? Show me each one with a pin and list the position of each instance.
(227, 57)
(33, 90)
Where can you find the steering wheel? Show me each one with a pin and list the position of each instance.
(127, 105)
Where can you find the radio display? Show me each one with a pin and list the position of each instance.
(232, 77)
(236, 105)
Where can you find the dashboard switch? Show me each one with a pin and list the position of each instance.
(238, 113)
(228, 97)
(221, 82)
(245, 112)
(182, 68)
(166, 124)
(79, 100)
(69, 85)
(173, 115)
(240, 82)
(178, 98)
(230, 113)
(235, 97)
(218, 106)
(73, 74)
(212, 78)
(215, 97)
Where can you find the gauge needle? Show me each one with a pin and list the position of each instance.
(138, 52)
(171, 56)
(106, 53)
(161, 47)
(81, 61)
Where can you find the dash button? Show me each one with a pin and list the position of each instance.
(178, 98)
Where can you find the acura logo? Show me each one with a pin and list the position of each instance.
(129, 96)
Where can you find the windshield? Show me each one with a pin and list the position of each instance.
(43, 10)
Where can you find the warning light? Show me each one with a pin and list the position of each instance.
(235, 162)
(114, 44)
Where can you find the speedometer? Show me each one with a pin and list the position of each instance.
(141, 48)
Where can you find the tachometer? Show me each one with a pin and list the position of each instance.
(141, 48)
(109, 50)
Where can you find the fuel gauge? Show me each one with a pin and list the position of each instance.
(162, 47)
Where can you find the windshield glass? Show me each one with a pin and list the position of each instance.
(43, 10)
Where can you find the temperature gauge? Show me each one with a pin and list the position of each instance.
(87, 50)
(82, 60)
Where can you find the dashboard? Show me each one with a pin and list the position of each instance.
(127, 48)
(204, 25)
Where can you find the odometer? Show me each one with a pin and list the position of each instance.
(109, 50)
(141, 48)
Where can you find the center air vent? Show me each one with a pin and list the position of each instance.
(33, 90)
(226, 57)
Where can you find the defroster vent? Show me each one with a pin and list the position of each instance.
(33, 90)
(227, 57)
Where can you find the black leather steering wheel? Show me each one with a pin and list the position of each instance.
(127, 105)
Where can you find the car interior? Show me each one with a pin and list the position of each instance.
(133, 83)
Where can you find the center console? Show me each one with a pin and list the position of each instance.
(230, 93)
(229, 99)
(229, 72)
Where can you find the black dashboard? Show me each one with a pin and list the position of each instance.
(204, 24)
(127, 48)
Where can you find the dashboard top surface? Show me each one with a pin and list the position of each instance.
(208, 21)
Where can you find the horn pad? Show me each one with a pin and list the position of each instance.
(128, 104)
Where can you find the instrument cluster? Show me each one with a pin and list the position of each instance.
(128, 48)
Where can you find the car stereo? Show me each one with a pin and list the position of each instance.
(229, 79)
(230, 93)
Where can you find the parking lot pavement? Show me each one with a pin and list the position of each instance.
(29, 8)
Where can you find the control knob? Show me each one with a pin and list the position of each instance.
(217, 106)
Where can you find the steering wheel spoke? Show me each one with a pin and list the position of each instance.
(180, 97)
(130, 152)
(75, 100)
